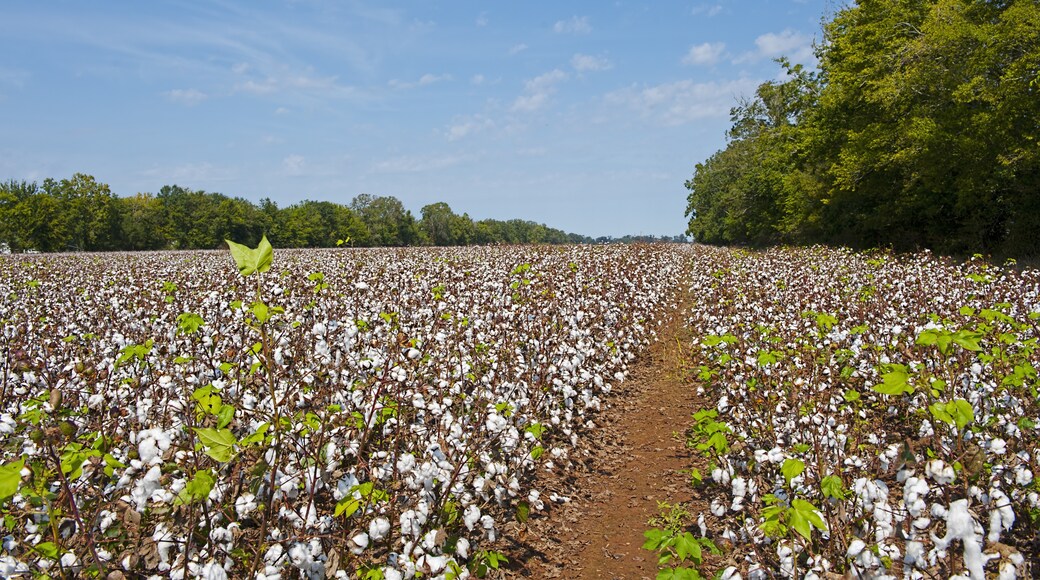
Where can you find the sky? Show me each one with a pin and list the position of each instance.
(588, 116)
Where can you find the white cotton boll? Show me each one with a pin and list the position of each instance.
(776, 455)
(940, 472)
(406, 463)
(718, 507)
(245, 504)
(488, 523)
(960, 525)
(855, 548)
(1023, 476)
(462, 548)
(1001, 515)
(998, 446)
(378, 529)
(358, 543)
(534, 499)
(213, 571)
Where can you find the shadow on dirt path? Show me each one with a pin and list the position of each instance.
(633, 463)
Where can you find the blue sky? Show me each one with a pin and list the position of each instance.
(588, 116)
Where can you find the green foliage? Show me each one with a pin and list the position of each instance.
(932, 148)
(895, 380)
(251, 260)
(10, 478)
(800, 516)
(218, 443)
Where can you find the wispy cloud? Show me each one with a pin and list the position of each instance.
(294, 165)
(418, 163)
(192, 173)
(482, 20)
(705, 54)
(683, 101)
(426, 79)
(517, 49)
(188, 97)
(465, 126)
(537, 91)
(790, 43)
(575, 25)
(477, 80)
(586, 63)
(708, 10)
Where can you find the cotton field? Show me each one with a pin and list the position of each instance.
(874, 415)
(347, 413)
(390, 413)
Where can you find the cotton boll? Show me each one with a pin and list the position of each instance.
(358, 543)
(1001, 514)
(378, 529)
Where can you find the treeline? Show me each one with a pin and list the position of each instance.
(82, 214)
(919, 130)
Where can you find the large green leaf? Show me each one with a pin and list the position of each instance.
(10, 478)
(895, 382)
(792, 468)
(251, 260)
(219, 443)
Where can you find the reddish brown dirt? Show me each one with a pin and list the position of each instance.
(631, 462)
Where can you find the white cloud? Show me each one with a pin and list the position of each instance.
(296, 82)
(426, 79)
(585, 62)
(482, 20)
(293, 164)
(417, 163)
(576, 25)
(708, 10)
(517, 49)
(704, 54)
(189, 173)
(466, 126)
(187, 97)
(537, 91)
(477, 80)
(684, 101)
(792, 44)
(772, 44)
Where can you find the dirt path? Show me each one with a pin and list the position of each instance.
(633, 465)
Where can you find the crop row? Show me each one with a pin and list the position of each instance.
(871, 415)
(382, 413)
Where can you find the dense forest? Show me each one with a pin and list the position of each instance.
(82, 214)
(918, 129)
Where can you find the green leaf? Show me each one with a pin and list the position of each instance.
(655, 537)
(938, 410)
(11, 478)
(257, 437)
(198, 488)
(895, 381)
(968, 340)
(806, 512)
(831, 486)
(347, 506)
(219, 443)
(537, 452)
(225, 415)
(251, 260)
(523, 511)
(851, 396)
(962, 412)
(688, 548)
(47, 550)
(792, 468)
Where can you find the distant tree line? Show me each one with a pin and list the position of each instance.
(919, 129)
(82, 214)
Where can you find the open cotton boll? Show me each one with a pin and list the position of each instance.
(378, 529)
(960, 525)
(940, 472)
(1001, 514)
(358, 543)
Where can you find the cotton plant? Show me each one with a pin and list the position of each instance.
(897, 393)
(305, 412)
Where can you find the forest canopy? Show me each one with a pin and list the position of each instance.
(82, 214)
(918, 129)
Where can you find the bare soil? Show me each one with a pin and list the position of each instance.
(629, 463)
